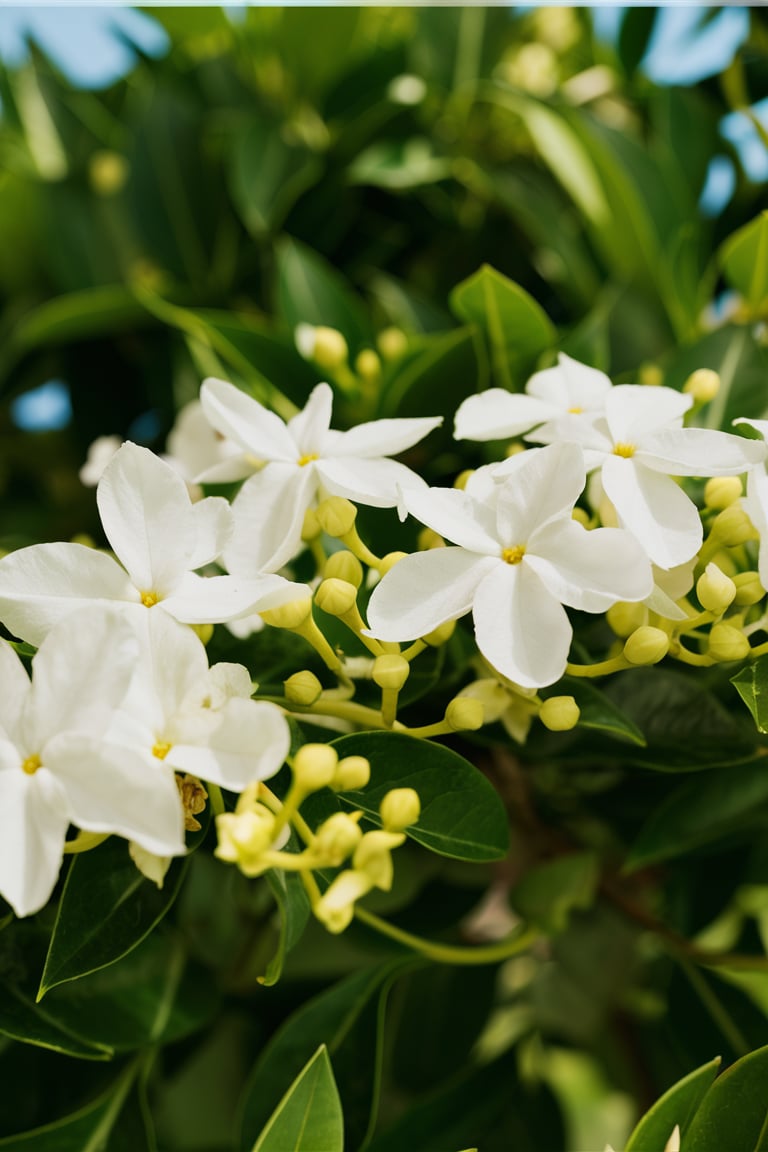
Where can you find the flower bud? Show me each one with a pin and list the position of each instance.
(336, 515)
(465, 714)
(336, 597)
(650, 375)
(289, 616)
(703, 385)
(368, 365)
(202, 631)
(303, 688)
(727, 643)
(463, 478)
(314, 767)
(428, 538)
(326, 346)
(581, 517)
(732, 527)
(108, 172)
(624, 619)
(441, 634)
(749, 590)
(559, 713)
(344, 566)
(310, 529)
(373, 856)
(337, 838)
(336, 906)
(390, 671)
(722, 491)
(388, 562)
(715, 590)
(392, 343)
(244, 837)
(352, 773)
(646, 645)
(399, 809)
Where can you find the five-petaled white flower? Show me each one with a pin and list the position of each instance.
(640, 445)
(159, 536)
(57, 766)
(520, 558)
(295, 464)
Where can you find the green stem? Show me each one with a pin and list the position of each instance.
(216, 799)
(715, 1009)
(84, 841)
(521, 941)
(602, 668)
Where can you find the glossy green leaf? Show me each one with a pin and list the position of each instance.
(308, 1118)
(310, 291)
(294, 910)
(678, 1105)
(86, 1130)
(79, 315)
(106, 909)
(742, 364)
(518, 329)
(461, 813)
(599, 713)
(752, 685)
(435, 377)
(267, 174)
(549, 892)
(744, 261)
(21, 1019)
(734, 1112)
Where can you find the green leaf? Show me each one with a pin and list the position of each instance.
(734, 1112)
(308, 1118)
(634, 36)
(268, 174)
(517, 328)
(79, 315)
(461, 813)
(551, 891)
(310, 291)
(599, 713)
(106, 909)
(743, 258)
(86, 1130)
(678, 1105)
(399, 164)
(752, 685)
(293, 908)
(23, 1020)
(742, 364)
(441, 370)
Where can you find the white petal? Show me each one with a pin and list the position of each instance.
(541, 485)
(591, 570)
(373, 482)
(16, 687)
(700, 452)
(591, 434)
(33, 826)
(215, 599)
(147, 517)
(309, 427)
(268, 514)
(80, 675)
(172, 660)
(42, 584)
(235, 467)
(755, 504)
(114, 789)
(241, 418)
(496, 414)
(249, 741)
(214, 526)
(654, 509)
(521, 628)
(424, 591)
(570, 386)
(635, 410)
(456, 516)
(194, 444)
(383, 437)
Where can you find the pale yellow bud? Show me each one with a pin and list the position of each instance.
(722, 491)
(581, 517)
(715, 590)
(428, 538)
(441, 634)
(336, 515)
(203, 631)
(624, 619)
(727, 643)
(314, 767)
(399, 809)
(514, 449)
(108, 172)
(326, 346)
(336, 906)
(373, 856)
(392, 343)
(244, 837)
(749, 590)
(390, 671)
(465, 714)
(560, 713)
(462, 479)
(703, 385)
(646, 645)
(291, 615)
(732, 527)
(388, 562)
(337, 838)
(311, 527)
(344, 566)
(352, 773)
(368, 365)
(303, 688)
(336, 597)
(82, 538)
(650, 375)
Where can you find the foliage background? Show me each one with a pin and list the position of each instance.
(349, 167)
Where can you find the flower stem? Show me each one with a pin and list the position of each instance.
(513, 945)
(602, 668)
(84, 841)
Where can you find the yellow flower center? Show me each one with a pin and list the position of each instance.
(161, 749)
(513, 555)
(304, 460)
(625, 450)
(576, 411)
(31, 765)
(149, 599)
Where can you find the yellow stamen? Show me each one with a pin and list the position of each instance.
(161, 749)
(149, 599)
(513, 555)
(625, 450)
(31, 765)
(304, 460)
(576, 411)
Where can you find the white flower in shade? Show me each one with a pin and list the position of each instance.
(159, 537)
(56, 766)
(297, 463)
(755, 504)
(100, 452)
(194, 446)
(568, 388)
(639, 446)
(520, 558)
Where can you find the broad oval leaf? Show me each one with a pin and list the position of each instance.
(310, 291)
(268, 174)
(548, 893)
(308, 1118)
(599, 713)
(744, 260)
(734, 1112)
(461, 813)
(678, 1105)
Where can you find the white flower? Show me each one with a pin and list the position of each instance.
(520, 558)
(640, 445)
(100, 452)
(755, 504)
(569, 387)
(298, 462)
(56, 766)
(159, 536)
(193, 445)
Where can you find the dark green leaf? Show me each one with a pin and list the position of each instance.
(635, 34)
(84, 1131)
(742, 364)
(293, 909)
(22, 1020)
(548, 894)
(310, 291)
(677, 1106)
(308, 1118)
(434, 378)
(734, 1112)
(752, 685)
(599, 713)
(267, 174)
(744, 260)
